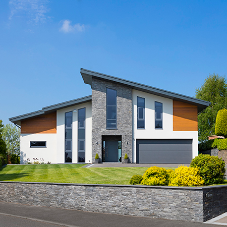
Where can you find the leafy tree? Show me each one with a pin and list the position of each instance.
(213, 90)
(11, 136)
(3, 154)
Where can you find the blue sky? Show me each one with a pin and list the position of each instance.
(173, 45)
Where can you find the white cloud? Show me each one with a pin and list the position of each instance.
(67, 27)
(35, 10)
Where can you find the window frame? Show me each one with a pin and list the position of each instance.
(83, 139)
(158, 118)
(38, 146)
(138, 107)
(111, 128)
(69, 140)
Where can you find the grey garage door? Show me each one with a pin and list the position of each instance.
(164, 151)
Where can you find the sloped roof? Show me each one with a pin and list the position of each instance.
(88, 75)
(16, 120)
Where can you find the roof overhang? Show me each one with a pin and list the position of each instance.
(48, 109)
(88, 75)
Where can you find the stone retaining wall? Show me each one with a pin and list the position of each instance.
(177, 203)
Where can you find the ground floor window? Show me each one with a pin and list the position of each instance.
(37, 144)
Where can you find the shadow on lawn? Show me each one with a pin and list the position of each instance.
(12, 176)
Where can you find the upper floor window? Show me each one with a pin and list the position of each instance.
(111, 109)
(158, 115)
(140, 112)
(81, 118)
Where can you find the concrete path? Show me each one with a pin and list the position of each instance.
(119, 164)
(17, 215)
(219, 220)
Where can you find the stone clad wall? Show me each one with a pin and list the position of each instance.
(146, 201)
(214, 201)
(197, 204)
(124, 116)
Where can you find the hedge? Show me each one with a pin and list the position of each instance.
(220, 144)
(221, 123)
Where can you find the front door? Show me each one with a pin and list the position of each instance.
(111, 151)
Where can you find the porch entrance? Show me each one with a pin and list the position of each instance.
(111, 148)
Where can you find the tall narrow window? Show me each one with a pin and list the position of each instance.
(81, 134)
(140, 112)
(158, 115)
(111, 109)
(68, 136)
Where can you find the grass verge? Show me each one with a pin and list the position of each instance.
(69, 173)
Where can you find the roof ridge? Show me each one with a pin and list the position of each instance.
(145, 87)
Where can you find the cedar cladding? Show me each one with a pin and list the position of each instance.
(45, 123)
(184, 116)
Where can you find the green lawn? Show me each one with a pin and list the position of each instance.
(69, 173)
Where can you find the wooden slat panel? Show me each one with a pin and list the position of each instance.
(42, 124)
(184, 117)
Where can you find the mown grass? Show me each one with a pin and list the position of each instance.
(69, 173)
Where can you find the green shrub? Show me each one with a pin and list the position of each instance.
(204, 146)
(211, 168)
(221, 123)
(221, 144)
(136, 179)
(15, 159)
(126, 156)
(36, 162)
(186, 176)
(96, 156)
(155, 176)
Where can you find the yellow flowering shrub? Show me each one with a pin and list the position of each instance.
(155, 176)
(186, 176)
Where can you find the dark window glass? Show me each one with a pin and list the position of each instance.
(81, 118)
(68, 136)
(158, 114)
(68, 156)
(68, 119)
(81, 134)
(111, 109)
(68, 145)
(37, 144)
(111, 97)
(81, 156)
(111, 112)
(81, 145)
(140, 112)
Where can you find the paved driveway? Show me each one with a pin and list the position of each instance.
(16, 215)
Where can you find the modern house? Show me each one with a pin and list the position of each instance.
(151, 125)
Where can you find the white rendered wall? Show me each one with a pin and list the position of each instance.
(61, 133)
(48, 154)
(150, 132)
